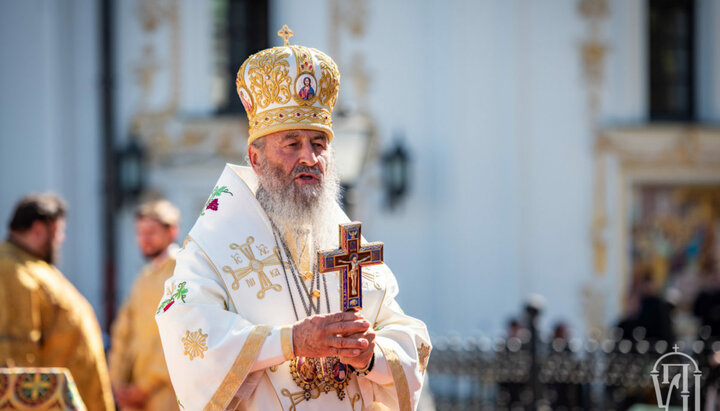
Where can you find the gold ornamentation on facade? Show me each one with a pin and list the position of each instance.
(195, 344)
(593, 52)
(594, 9)
(268, 74)
(593, 57)
(152, 13)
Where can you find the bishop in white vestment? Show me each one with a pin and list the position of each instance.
(248, 321)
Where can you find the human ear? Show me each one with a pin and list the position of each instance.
(253, 156)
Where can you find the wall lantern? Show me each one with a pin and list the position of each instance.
(131, 172)
(353, 139)
(395, 174)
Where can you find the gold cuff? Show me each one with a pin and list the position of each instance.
(286, 341)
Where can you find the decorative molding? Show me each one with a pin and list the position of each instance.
(661, 146)
(170, 138)
(593, 51)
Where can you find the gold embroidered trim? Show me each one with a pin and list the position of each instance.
(299, 396)
(355, 398)
(240, 368)
(227, 290)
(423, 357)
(398, 374)
(295, 115)
(286, 341)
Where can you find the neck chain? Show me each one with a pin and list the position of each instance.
(306, 295)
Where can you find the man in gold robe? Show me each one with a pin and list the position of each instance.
(44, 320)
(138, 371)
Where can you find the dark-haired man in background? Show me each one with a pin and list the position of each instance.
(44, 320)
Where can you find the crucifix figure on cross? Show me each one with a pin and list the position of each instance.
(349, 260)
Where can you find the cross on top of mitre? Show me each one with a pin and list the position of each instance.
(349, 260)
(286, 33)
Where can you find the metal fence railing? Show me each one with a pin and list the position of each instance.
(526, 373)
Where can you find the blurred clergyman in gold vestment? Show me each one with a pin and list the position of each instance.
(44, 320)
(138, 372)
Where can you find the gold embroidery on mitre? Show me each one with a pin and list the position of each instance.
(293, 115)
(423, 356)
(288, 87)
(305, 72)
(329, 84)
(268, 74)
(195, 344)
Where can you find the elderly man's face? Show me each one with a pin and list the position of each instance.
(298, 157)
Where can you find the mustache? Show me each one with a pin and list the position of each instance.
(314, 170)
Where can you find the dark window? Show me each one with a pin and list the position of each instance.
(241, 29)
(672, 55)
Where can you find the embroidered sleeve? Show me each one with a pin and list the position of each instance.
(401, 355)
(210, 349)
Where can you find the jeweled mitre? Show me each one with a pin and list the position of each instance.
(288, 87)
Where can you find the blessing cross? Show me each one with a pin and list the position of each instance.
(286, 33)
(349, 260)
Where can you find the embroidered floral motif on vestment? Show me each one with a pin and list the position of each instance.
(213, 202)
(178, 293)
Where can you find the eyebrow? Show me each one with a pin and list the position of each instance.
(295, 134)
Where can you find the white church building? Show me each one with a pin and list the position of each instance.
(499, 148)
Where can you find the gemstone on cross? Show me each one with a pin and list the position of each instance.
(349, 260)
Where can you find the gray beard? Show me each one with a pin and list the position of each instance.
(302, 210)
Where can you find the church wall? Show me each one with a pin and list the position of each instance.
(49, 123)
(490, 98)
(708, 64)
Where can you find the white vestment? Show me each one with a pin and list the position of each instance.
(225, 320)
